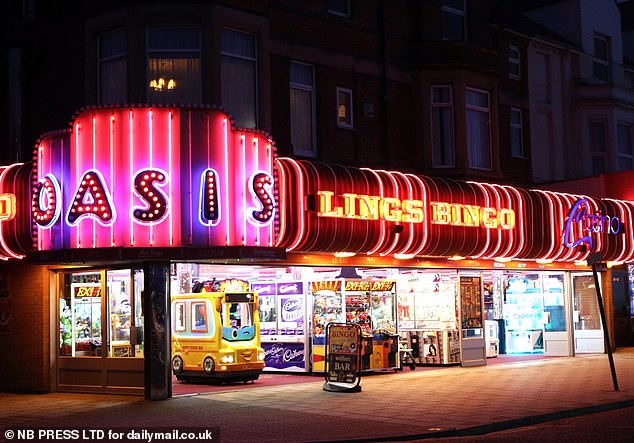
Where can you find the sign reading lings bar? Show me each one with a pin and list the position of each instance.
(373, 207)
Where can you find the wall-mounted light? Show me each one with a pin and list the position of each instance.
(404, 256)
(503, 259)
(344, 254)
(161, 84)
(456, 257)
(543, 262)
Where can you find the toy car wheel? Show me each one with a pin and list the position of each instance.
(208, 365)
(177, 365)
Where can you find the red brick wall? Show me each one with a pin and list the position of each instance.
(24, 341)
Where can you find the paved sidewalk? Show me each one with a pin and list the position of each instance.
(401, 406)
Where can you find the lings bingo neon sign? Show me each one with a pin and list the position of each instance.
(590, 223)
(93, 200)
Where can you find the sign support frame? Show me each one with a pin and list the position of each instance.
(345, 376)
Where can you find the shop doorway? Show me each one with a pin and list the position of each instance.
(523, 313)
(588, 333)
(556, 341)
(100, 331)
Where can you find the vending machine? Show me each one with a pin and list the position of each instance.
(282, 309)
(369, 303)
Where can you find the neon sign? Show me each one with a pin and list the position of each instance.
(370, 207)
(138, 177)
(7, 207)
(455, 214)
(589, 222)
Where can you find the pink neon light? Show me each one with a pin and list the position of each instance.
(301, 209)
(7, 250)
(78, 238)
(397, 194)
(94, 165)
(226, 158)
(269, 167)
(243, 181)
(423, 242)
(487, 203)
(169, 172)
(151, 153)
(111, 145)
(131, 166)
(256, 166)
(381, 222)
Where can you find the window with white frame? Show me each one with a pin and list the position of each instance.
(344, 108)
(302, 93)
(478, 129)
(442, 128)
(113, 68)
(238, 76)
(601, 58)
(339, 7)
(515, 62)
(174, 64)
(597, 139)
(625, 160)
(453, 20)
(517, 136)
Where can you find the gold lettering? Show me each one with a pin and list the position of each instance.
(325, 205)
(440, 213)
(489, 218)
(413, 211)
(369, 207)
(390, 211)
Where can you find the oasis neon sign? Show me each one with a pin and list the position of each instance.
(581, 216)
(93, 200)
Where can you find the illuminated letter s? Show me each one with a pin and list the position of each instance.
(261, 184)
(145, 185)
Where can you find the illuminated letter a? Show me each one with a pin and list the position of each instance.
(92, 199)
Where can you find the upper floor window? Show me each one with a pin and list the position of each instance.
(597, 138)
(238, 74)
(302, 92)
(443, 153)
(339, 7)
(515, 65)
(28, 8)
(517, 136)
(478, 130)
(453, 20)
(113, 68)
(344, 108)
(174, 64)
(601, 58)
(625, 160)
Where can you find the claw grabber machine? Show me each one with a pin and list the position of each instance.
(371, 304)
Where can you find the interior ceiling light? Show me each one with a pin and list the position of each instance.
(543, 262)
(456, 257)
(404, 256)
